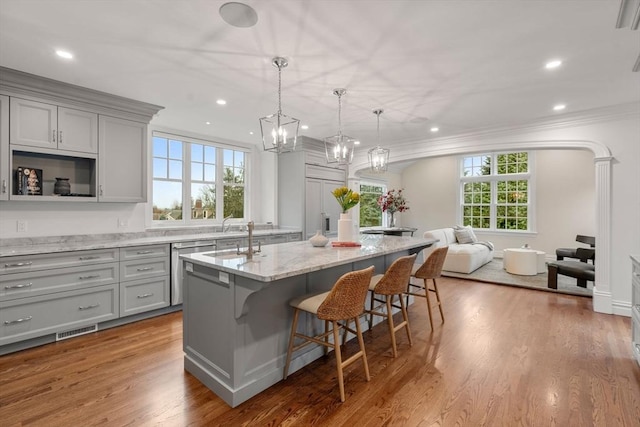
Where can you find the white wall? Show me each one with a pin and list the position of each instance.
(564, 192)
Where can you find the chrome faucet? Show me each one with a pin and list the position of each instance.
(250, 251)
(225, 220)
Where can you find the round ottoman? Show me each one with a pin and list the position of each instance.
(525, 262)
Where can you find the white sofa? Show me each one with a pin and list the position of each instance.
(461, 258)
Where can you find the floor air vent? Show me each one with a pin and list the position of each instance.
(76, 332)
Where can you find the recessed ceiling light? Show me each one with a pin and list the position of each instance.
(356, 142)
(207, 123)
(434, 129)
(553, 64)
(304, 127)
(250, 132)
(221, 102)
(238, 14)
(64, 54)
(559, 107)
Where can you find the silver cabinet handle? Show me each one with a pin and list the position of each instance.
(636, 274)
(24, 319)
(145, 295)
(53, 136)
(85, 258)
(24, 285)
(19, 264)
(87, 307)
(144, 252)
(94, 276)
(101, 192)
(60, 137)
(4, 185)
(145, 268)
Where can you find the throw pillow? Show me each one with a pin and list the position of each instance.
(465, 235)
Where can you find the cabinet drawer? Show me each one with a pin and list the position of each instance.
(24, 263)
(230, 244)
(272, 240)
(139, 269)
(21, 285)
(321, 172)
(47, 314)
(137, 252)
(138, 296)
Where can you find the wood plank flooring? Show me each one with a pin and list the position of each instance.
(504, 357)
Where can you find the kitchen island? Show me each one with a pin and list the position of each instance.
(236, 313)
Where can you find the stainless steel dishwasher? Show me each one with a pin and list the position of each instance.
(184, 248)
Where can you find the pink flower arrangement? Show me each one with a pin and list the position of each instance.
(393, 201)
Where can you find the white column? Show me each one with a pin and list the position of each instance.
(602, 284)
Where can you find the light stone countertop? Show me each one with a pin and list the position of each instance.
(291, 259)
(105, 241)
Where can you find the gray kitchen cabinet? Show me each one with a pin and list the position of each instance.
(305, 183)
(122, 160)
(635, 307)
(5, 171)
(144, 278)
(45, 125)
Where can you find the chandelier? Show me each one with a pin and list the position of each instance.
(378, 156)
(279, 131)
(339, 148)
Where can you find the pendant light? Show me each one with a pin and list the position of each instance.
(378, 156)
(339, 148)
(279, 131)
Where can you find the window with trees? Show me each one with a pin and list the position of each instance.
(370, 212)
(495, 191)
(190, 186)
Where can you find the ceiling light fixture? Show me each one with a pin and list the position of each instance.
(339, 148)
(64, 54)
(434, 129)
(378, 156)
(221, 102)
(304, 127)
(553, 64)
(238, 14)
(279, 132)
(559, 107)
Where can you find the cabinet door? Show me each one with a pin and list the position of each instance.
(5, 173)
(122, 160)
(330, 205)
(33, 123)
(77, 130)
(313, 207)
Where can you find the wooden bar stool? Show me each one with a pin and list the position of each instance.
(344, 302)
(430, 269)
(390, 284)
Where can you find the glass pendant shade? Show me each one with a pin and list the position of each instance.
(279, 131)
(339, 148)
(378, 156)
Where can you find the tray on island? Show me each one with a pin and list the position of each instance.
(345, 244)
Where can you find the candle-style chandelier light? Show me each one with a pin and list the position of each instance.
(378, 156)
(339, 148)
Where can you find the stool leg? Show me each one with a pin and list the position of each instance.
(405, 316)
(426, 293)
(326, 337)
(294, 325)
(552, 277)
(371, 301)
(392, 331)
(364, 353)
(435, 288)
(336, 350)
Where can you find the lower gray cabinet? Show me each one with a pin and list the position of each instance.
(32, 317)
(138, 296)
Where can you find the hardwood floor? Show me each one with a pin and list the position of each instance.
(505, 356)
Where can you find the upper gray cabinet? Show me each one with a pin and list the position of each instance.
(39, 124)
(96, 140)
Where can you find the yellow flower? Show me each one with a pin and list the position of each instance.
(346, 198)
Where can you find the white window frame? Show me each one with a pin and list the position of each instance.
(493, 179)
(384, 186)
(186, 220)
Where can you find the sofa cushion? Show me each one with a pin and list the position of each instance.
(465, 235)
(461, 258)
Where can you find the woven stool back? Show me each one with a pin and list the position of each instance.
(396, 277)
(432, 267)
(346, 299)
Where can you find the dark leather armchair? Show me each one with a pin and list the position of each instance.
(562, 253)
(581, 270)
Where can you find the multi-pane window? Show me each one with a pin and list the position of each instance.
(189, 185)
(495, 191)
(370, 212)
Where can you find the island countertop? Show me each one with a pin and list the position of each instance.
(284, 260)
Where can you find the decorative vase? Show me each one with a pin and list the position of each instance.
(392, 219)
(62, 186)
(318, 240)
(345, 228)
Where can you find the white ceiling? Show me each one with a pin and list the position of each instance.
(458, 65)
